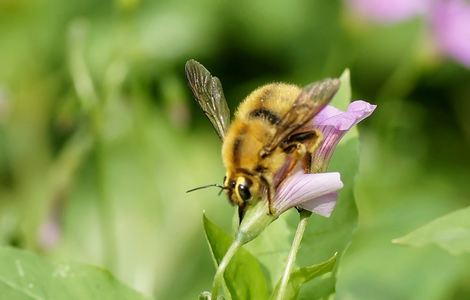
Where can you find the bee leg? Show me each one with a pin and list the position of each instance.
(313, 143)
(302, 142)
(269, 192)
(298, 151)
(307, 163)
(270, 202)
(303, 145)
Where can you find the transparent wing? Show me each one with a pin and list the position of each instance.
(208, 92)
(313, 98)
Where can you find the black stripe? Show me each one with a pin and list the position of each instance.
(266, 114)
(244, 171)
(236, 151)
(260, 169)
(237, 144)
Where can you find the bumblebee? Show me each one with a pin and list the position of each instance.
(270, 134)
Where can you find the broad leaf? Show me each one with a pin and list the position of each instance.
(450, 232)
(325, 236)
(24, 275)
(243, 276)
(303, 275)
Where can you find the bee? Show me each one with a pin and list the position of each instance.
(269, 135)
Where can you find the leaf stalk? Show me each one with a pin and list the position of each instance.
(219, 275)
(304, 216)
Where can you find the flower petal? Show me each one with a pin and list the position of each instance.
(300, 188)
(331, 116)
(322, 205)
(450, 21)
(334, 124)
(326, 113)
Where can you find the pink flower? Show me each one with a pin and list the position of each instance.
(49, 233)
(313, 192)
(334, 124)
(317, 192)
(448, 20)
(387, 11)
(450, 23)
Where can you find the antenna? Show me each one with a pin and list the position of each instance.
(206, 186)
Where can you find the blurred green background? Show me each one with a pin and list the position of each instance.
(100, 136)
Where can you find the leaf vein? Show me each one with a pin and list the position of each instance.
(17, 288)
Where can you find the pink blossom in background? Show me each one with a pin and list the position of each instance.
(387, 11)
(448, 20)
(49, 234)
(450, 25)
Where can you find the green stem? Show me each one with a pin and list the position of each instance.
(94, 106)
(304, 216)
(219, 274)
(105, 205)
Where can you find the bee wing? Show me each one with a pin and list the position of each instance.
(313, 98)
(208, 92)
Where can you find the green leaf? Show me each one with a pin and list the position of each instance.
(25, 275)
(450, 232)
(343, 96)
(325, 236)
(305, 274)
(243, 276)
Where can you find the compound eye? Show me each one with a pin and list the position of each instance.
(244, 192)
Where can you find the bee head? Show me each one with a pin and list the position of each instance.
(240, 189)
